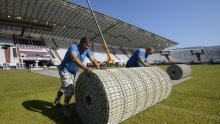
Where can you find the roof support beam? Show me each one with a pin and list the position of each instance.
(25, 24)
(22, 32)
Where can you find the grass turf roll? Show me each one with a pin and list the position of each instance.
(178, 71)
(114, 95)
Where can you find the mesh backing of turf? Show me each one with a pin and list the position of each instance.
(112, 96)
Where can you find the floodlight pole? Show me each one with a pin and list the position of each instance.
(110, 60)
(96, 21)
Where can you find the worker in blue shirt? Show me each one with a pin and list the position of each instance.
(72, 61)
(139, 58)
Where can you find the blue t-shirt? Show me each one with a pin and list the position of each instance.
(133, 60)
(68, 65)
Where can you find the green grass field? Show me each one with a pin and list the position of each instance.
(26, 97)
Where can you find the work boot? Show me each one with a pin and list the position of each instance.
(57, 103)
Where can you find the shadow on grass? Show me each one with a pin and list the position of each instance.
(46, 109)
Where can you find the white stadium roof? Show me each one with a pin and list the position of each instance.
(62, 20)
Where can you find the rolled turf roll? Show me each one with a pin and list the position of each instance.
(111, 96)
(178, 71)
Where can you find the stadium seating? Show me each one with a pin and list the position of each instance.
(156, 58)
(113, 55)
(12, 52)
(121, 55)
(185, 55)
(212, 53)
(99, 53)
(128, 52)
(62, 52)
(56, 60)
(32, 52)
(50, 43)
(176, 56)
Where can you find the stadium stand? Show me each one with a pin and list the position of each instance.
(184, 55)
(62, 52)
(128, 52)
(52, 49)
(121, 55)
(45, 33)
(181, 56)
(113, 55)
(99, 53)
(55, 58)
(212, 53)
(6, 40)
(50, 44)
(156, 58)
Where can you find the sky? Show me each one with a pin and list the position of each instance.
(191, 23)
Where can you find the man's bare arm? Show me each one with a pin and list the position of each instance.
(79, 63)
(94, 62)
(142, 62)
(169, 60)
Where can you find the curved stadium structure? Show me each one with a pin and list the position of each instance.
(39, 33)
